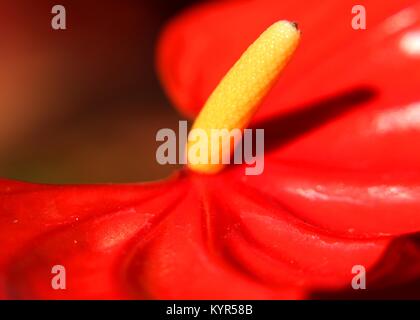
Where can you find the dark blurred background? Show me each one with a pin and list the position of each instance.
(82, 105)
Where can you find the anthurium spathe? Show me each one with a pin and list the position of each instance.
(341, 185)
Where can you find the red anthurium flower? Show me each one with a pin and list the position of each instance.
(341, 185)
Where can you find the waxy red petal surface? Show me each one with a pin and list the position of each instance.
(341, 185)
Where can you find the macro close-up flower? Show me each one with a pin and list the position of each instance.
(340, 187)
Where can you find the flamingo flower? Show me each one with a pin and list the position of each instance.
(340, 187)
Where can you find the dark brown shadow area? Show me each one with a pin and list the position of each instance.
(286, 127)
(395, 276)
